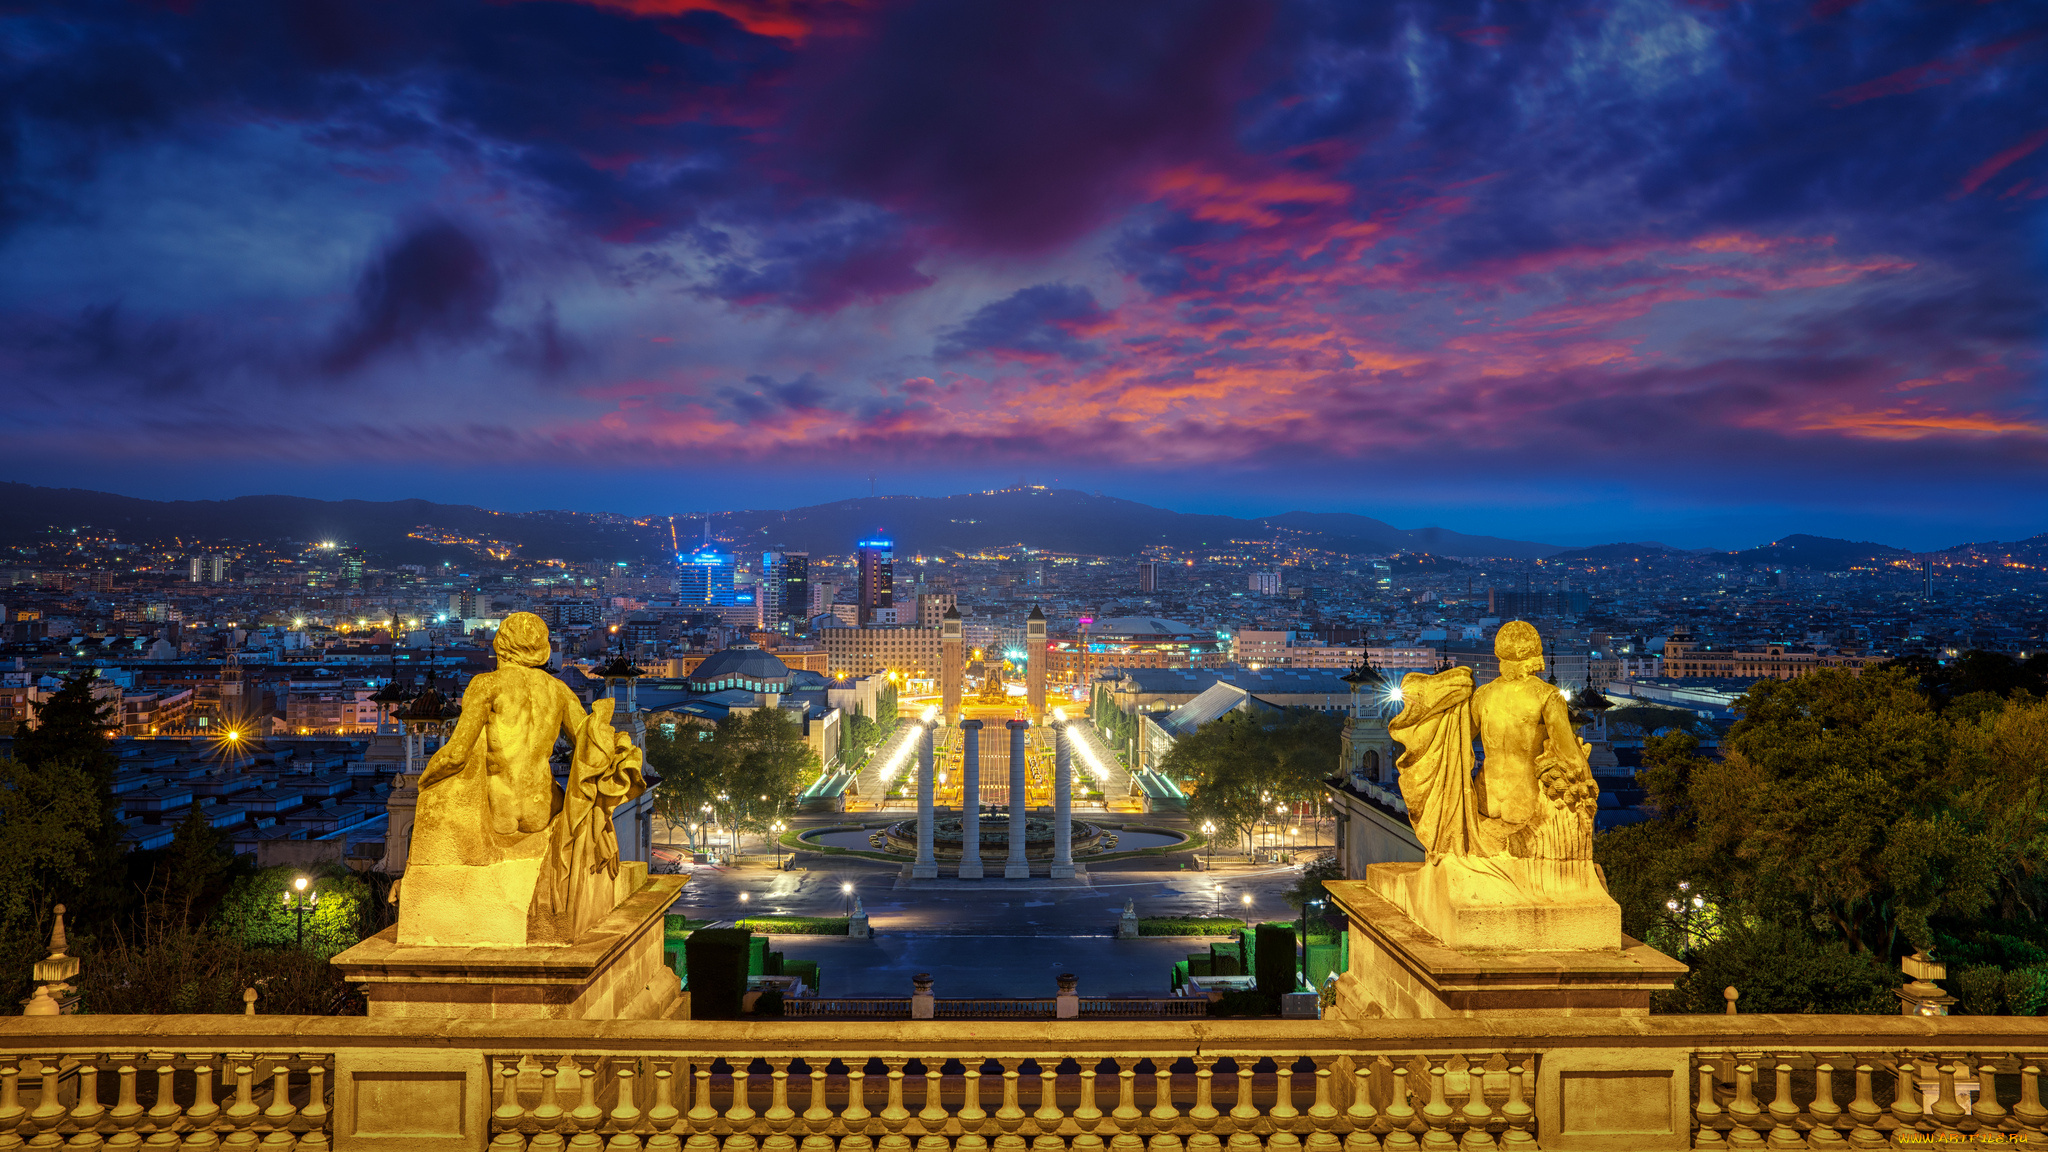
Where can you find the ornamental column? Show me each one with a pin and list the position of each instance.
(970, 799)
(1018, 867)
(1062, 804)
(927, 866)
(951, 667)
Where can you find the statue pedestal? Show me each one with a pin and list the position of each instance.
(614, 971)
(1401, 969)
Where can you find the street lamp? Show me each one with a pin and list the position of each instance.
(300, 899)
(1209, 830)
(778, 828)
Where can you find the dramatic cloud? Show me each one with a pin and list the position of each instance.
(1730, 257)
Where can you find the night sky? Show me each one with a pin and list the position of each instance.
(1704, 273)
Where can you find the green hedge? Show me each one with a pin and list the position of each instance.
(1188, 926)
(1275, 962)
(717, 962)
(797, 925)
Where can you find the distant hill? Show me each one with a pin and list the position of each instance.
(421, 531)
(382, 528)
(1613, 553)
(1820, 553)
(1064, 520)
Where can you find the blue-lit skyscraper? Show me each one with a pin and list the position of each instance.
(706, 577)
(877, 577)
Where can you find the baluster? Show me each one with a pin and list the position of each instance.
(313, 1118)
(49, 1111)
(1986, 1109)
(817, 1115)
(1283, 1115)
(1164, 1117)
(1361, 1114)
(506, 1117)
(1477, 1111)
(1783, 1111)
(1742, 1110)
(1401, 1119)
(664, 1114)
(1244, 1110)
(625, 1115)
(740, 1117)
(1825, 1113)
(204, 1113)
(547, 1118)
(1707, 1111)
(1437, 1113)
(88, 1112)
(1203, 1116)
(1087, 1116)
(973, 1121)
(162, 1117)
(2029, 1112)
(1125, 1116)
(586, 1116)
(1009, 1116)
(1516, 1113)
(779, 1117)
(1865, 1112)
(278, 1117)
(243, 1113)
(856, 1115)
(894, 1115)
(12, 1114)
(1947, 1114)
(127, 1112)
(1906, 1096)
(1322, 1114)
(931, 1118)
(1047, 1118)
(703, 1117)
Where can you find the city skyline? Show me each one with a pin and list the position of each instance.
(1651, 271)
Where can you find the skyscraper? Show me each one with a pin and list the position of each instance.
(785, 586)
(877, 577)
(1148, 576)
(705, 578)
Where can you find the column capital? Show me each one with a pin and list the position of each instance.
(971, 725)
(1014, 725)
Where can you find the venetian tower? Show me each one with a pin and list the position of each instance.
(1034, 665)
(951, 668)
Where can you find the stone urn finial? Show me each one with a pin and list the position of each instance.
(1068, 982)
(921, 983)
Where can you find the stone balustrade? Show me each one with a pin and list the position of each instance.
(843, 1085)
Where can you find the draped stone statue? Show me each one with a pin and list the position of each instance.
(1509, 850)
(502, 854)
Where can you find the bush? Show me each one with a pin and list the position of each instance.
(1979, 991)
(2026, 990)
(804, 970)
(797, 925)
(769, 1003)
(716, 959)
(1275, 960)
(1188, 926)
(254, 911)
(205, 972)
(1780, 967)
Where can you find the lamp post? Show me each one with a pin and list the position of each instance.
(1209, 830)
(300, 899)
(778, 828)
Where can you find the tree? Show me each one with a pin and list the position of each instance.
(749, 770)
(51, 831)
(1239, 767)
(255, 913)
(66, 750)
(688, 760)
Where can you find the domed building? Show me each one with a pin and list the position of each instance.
(746, 667)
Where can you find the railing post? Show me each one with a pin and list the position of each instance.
(1707, 1111)
(126, 1112)
(1401, 1119)
(1864, 1110)
(1087, 1115)
(1437, 1113)
(1124, 1118)
(1009, 1115)
(703, 1117)
(855, 1115)
(201, 1116)
(548, 1117)
(1946, 1113)
(1048, 1117)
(625, 1115)
(87, 1112)
(279, 1116)
(894, 1116)
(817, 1114)
(1783, 1111)
(2029, 1111)
(931, 1118)
(1742, 1110)
(162, 1116)
(779, 1116)
(1244, 1111)
(1906, 1094)
(1203, 1116)
(314, 1117)
(243, 1112)
(1825, 1113)
(1283, 1116)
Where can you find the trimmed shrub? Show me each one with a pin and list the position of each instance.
(769, 1003)
(716, 959)
(1198, 964)
(1225, 961)
(1275, 961)
(804, 970)
(2026, 990)
(1979, 991)
(796, 925)
(1248, 1002)
(1188, 925)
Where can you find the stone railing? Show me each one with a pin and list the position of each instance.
(843, 1085)
(1041, 1008)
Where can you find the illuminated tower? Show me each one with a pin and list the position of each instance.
(877, 577)
(1034, 665)
(952, 668)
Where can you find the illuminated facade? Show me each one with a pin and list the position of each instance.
(1133, 642)
(877, 577)
(865, 651)
(1686, 660)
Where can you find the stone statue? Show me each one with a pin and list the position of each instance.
(1520, 831)
(501, 854)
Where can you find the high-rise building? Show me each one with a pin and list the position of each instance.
(1148, 575)
(209, 569)
(932, 607)
(877, 577)
(785, 587)
(706, 577)
(822, 597)
(1265, 583)
(350, 564)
